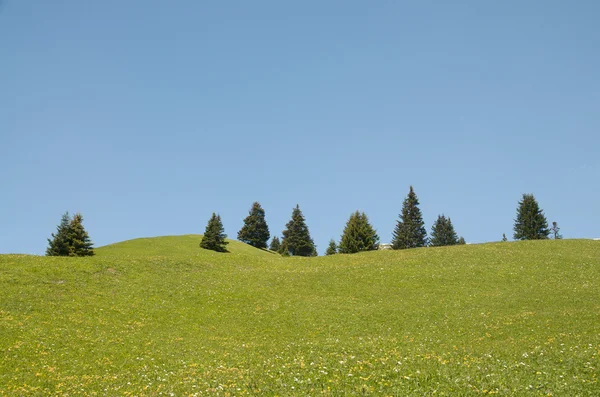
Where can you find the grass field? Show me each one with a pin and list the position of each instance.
(161, 316)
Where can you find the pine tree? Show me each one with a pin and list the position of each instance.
(80, 242)
(255, 230)
(555, 231)
(275, 244)
(442, 232)
(530, 224)
(358, 235)
(214, 236)
(296, 237)
(461, 241)
(60, 245)
(284, 250)
(504, 239)
(332, 249)
(410, 229)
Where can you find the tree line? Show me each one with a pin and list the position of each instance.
(530, 223)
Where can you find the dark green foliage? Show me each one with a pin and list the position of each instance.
(504, 239)
(555, 231)
(275, 244)
(461, 241)
(358, 235)
(442, 232)
(284, 249)
(530, 224)
(410, 229)
(255, 230)
(214, 236)
(296, 237)
(71, 238)
(59, 244)
(80, 242)
(332, 248)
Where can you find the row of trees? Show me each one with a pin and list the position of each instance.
(359, 235)
(71, 238)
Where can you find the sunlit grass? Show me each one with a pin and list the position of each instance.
(164, 317)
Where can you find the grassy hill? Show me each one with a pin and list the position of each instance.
(163, 317)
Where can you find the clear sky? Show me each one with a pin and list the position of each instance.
(146, 116)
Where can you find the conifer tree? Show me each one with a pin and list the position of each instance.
(80, 242)
(358, 235)
(255, 230)
(555, 231)
(296, 236)
(410, 229)
(284, 249)
(332, 249)
(275, 244)
(530, 224)
(59, 244)
(442, 232)
(461, 241)
(504, 239)
(214, 236)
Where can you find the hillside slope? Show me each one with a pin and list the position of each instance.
(188, 244)
(504, 318)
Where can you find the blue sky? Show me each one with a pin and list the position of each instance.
(147, 116)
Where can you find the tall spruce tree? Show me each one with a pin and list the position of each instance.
(332, 248)
(59, 244)
(214, 236)
(81, 244)
(410, 229)
(255, 230)
(530, 223)
(358, 235)
(442, 232)
(275, 244)
(296, 236)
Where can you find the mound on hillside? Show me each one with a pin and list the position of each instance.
(188, 244)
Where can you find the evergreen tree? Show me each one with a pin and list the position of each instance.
(504, 239)
(530, 224)
(80, 242)
(461, 241)
(214, 236)
(255, 230)
(60, 245)
(410, 229)
(332, 249)
(555, 231)
(284, 249)
(296, 237)
(275, 244)
(442, 232)
(358, 235)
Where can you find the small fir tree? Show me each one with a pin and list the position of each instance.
(504, 239)
(255, 230)
(296, 237)
(81, 244)
(214, 236)
(358, 235)
(410, 229)
(461, 241)
(332, 248)
(442, 232)
(275, 244)
(555, 231)
(530, 224)
(59, 244)
(284, 249)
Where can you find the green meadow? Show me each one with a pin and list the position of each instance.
(160, 316)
